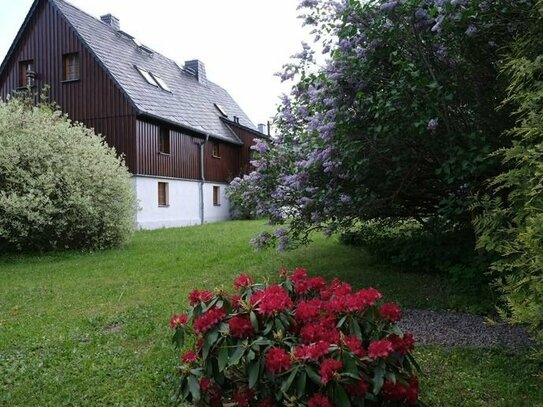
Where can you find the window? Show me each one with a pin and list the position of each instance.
(164, 141)
(160, 82)
(221, 110)
(26, 67)
(216, 196)
(163, 198)
(70, 67)
(147, 76)
(215, 151)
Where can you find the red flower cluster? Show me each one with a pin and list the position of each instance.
(272, 300)
(189, 357)
(355, 345)
(319, 400)
(278, 360)
(315, 351)
(328, 370)
(196, 297)
(240, 326)
(243, 396)
(337, 288)
(308, 310)
(390, 311)
(178, 320)
(398, 392)
(323, 329)
(402, 345)
(242, 281)
(358, 389)
(208, 320)
(380, 349)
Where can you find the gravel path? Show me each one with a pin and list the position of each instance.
(457, 329)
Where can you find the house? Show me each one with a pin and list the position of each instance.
(183, 136)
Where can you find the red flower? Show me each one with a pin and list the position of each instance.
(240, 326)
(243, 396)
(272, 300)
(305, 285)
(328, 370)
(313, 352)
(235, 299)
(355, 345)
(402, 345)
(324, 329)
(380, 349)
(178, 320)
(398, 392)
(242, 281)
(277, 360)
(208, 320)
(205, 384)
(390, 311)
(189, 357)
(308, 310)
(337, 288)
(299, 275)
(196, 296)
(319, 400)
(358, 389)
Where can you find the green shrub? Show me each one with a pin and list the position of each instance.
(511, 227)
(61, 186)
(431, 248)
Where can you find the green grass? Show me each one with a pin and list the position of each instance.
(57, 310)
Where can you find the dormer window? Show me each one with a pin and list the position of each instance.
(26, 73)
(160, 82)
(70, 67)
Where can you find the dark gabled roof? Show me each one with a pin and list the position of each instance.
(190, 103)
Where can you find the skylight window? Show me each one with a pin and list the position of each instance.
(160, 82)
(147, 76)
(221, 110)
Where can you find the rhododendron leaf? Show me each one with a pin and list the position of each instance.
(179, 337)
(269, 327)
(235, 358)
(350, 375)
(340, 396)
(210, 340)
(253, 371)
(313, 375)
(354, 329)
(300, 384)
(254, 320)
(395, 329)
(341, 321)
(194, 387)
(414, 362)
(287, 383)
(222, 358)
(350, 364)
(279, 325)
(250, 356)
(378, 378)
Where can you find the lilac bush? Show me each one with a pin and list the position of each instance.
(398, 122)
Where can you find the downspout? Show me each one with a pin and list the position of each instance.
(202, 177)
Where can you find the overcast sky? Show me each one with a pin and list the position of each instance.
(242, 42)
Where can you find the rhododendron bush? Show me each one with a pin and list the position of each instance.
(302, 342)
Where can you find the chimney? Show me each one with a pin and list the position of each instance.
(199, 70)
(112, 21)
(262, 128)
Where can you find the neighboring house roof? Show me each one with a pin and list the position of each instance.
(189, 103)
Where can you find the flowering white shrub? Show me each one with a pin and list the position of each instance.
(61, 186)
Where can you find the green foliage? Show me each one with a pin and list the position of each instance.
(511, 227)
(431, 248)
(61, 186)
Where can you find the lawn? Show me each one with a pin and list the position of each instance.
(92, 329)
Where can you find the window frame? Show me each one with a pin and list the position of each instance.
(76, 67)
(166, 202)
(215, 149)
(216, 195)
(164, 141)
(23, 77)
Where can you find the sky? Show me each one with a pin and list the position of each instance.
(241, 42)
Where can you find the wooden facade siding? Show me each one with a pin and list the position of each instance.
(93, 99)
(183, 160)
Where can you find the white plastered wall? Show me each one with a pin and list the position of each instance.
(183, 203)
